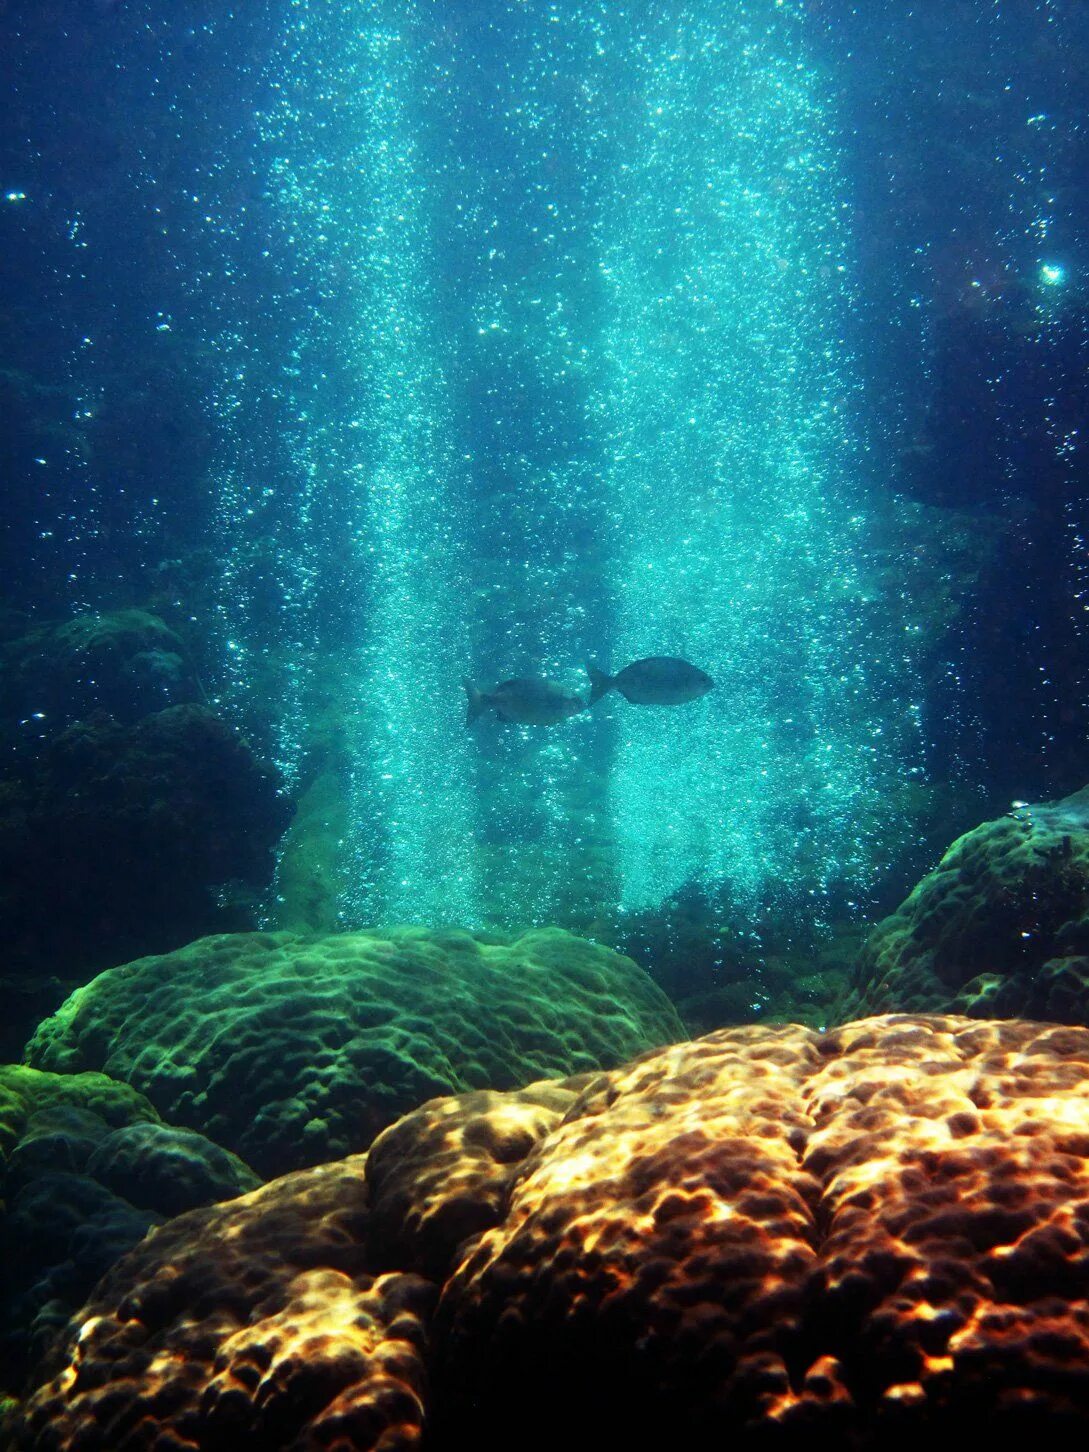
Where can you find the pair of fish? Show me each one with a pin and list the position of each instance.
(660, 680)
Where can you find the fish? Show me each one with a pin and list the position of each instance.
(659, 680)
(529, 701)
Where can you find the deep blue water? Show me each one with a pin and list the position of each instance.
(379, 346)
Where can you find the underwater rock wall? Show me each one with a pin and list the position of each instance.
(128, 663)
(132, 818)
(117, 839)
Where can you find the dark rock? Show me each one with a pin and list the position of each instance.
(128, 663)
(120, 840)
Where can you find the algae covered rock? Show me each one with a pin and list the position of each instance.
(292, 1049)
(25, 1092)
(999, 928)
(128, 663)
(86, 1169)
(132, 819)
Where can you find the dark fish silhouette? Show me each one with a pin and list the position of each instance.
(529, 702)
(660, 680)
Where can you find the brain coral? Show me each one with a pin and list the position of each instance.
(1000, 927)
(875, 1238)
(294, 1050)
(253, 1324)
(878, 1235)
(444, 1173)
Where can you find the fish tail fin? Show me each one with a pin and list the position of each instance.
(600, 683)
(476, 704)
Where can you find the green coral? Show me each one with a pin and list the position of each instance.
(292, 1050)
(25, 1092)
(998, 929)
(86, 1168)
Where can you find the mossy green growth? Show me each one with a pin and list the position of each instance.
(86, 1169)
(25, 1092)
(8, 1408)
(292, 1050)
(1000, 928)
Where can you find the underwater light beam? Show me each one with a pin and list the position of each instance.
(369, 549)
(727, 398)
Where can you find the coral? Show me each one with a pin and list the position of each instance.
(651, 1241)
(253, 1324)
(294, 1050)
(167, 1169)
(444, 1172)
(118, 840)
(85, 1169)
(774, 1237)
(874, 1238)
(998, 928)
(25, 1092)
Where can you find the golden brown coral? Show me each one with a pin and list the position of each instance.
(878, 1233)
(253, 1324)
(444, 1173)
(765, 1238)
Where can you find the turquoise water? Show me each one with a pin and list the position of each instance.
(522, 335)
(572, 374)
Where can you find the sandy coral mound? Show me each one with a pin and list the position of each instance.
(999, 928)
(253, 1324)
(293, 1050)
(878, 1234)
